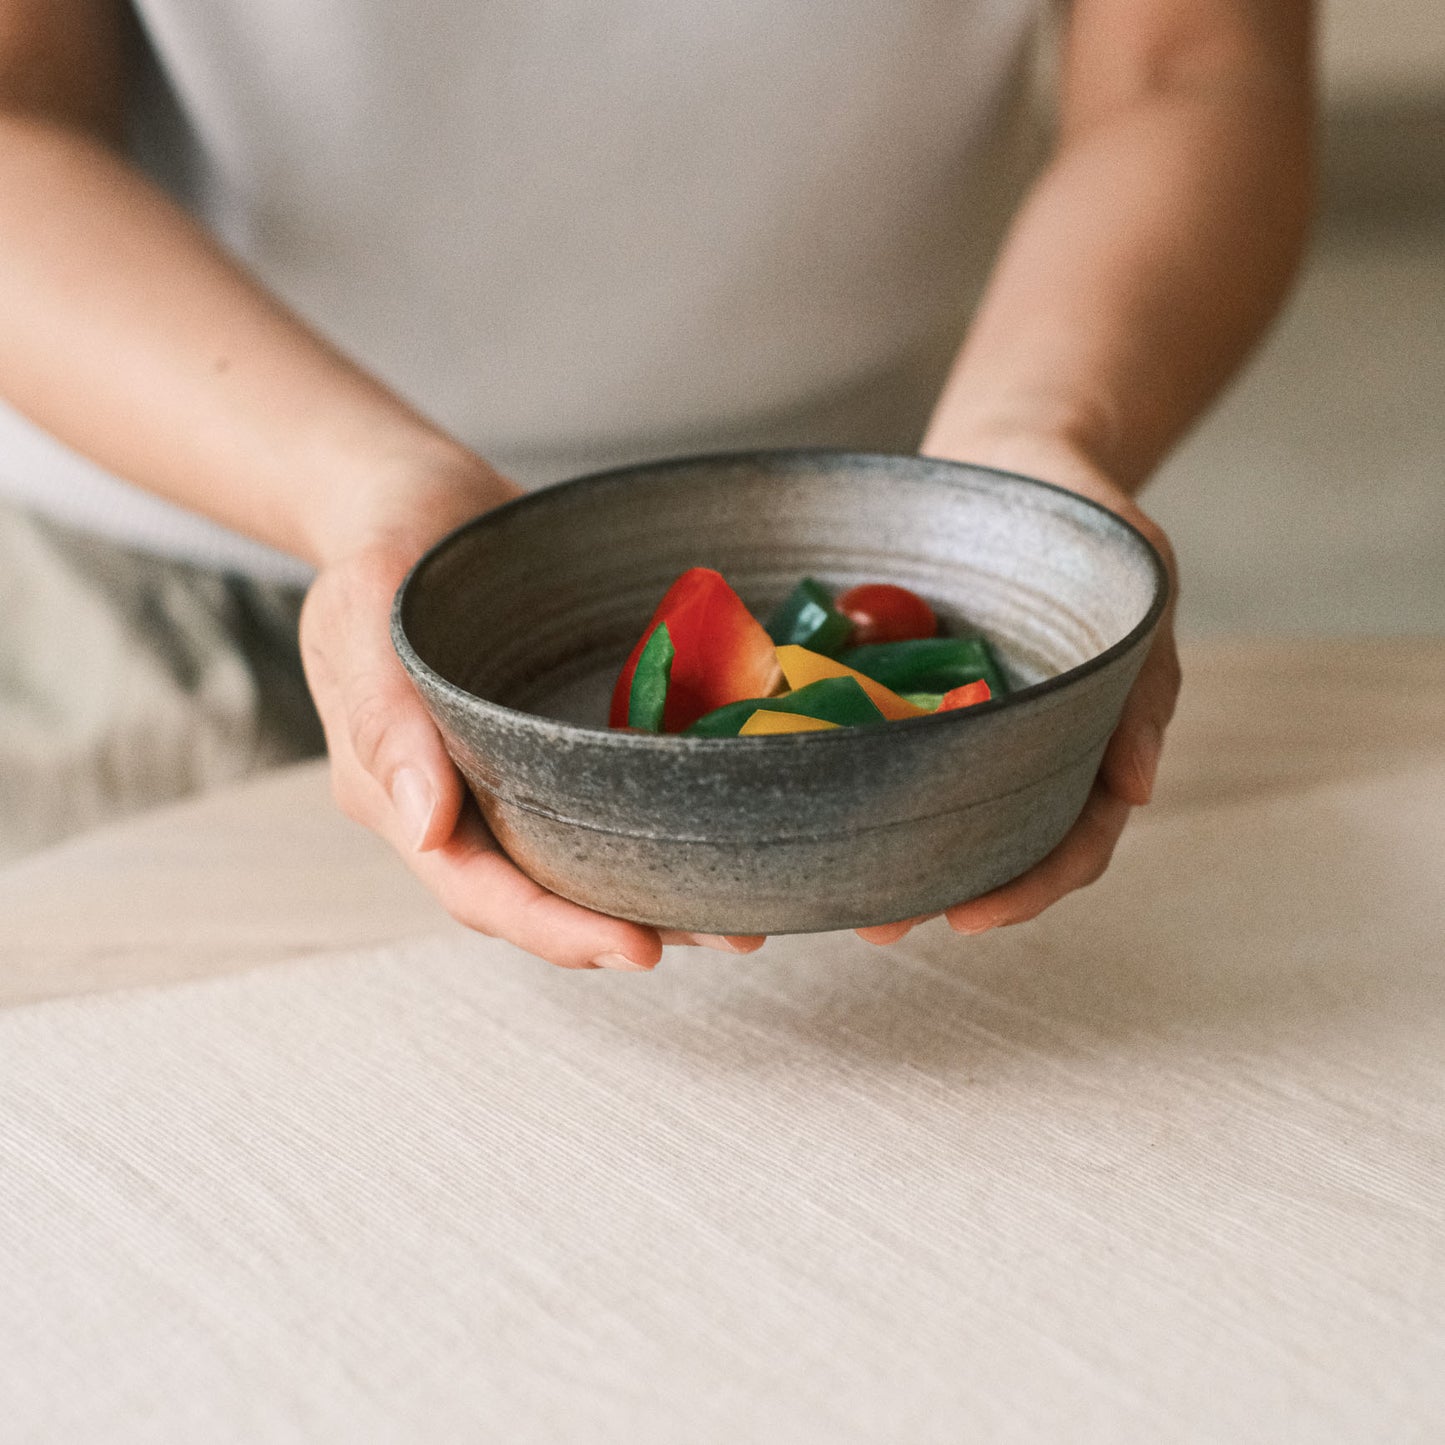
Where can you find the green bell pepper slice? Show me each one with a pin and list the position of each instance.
(648, 697)
(929, 665)
(928, 701)
(834, 699)
(808, 619)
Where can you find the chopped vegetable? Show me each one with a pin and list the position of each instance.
(965, 696)
(648, 694)
(801, 667)
(881, 612)
(837, 700)
(721, 652)
(935, 664)
(766, 722)
(705, 666)
(809, 619)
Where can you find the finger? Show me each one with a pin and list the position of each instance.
(372, 714)
(1131, 760)
(1080, 859)
(883, 934)
(391, 773)
(723, 942)
(484, 890)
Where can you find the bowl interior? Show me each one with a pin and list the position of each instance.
(536, 605)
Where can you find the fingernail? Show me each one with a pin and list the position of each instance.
(715, 940)
(621, 961)
(1147, 749)
(414, 801)
(971, 929)
(887, 941)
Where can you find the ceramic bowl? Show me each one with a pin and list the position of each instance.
(513, 629)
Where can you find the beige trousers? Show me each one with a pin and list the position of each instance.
(128, 680)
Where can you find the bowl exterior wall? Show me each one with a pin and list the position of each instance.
(787, 834)
(654, 833)
(803, 884)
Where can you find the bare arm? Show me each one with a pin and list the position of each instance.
(1159, 242)
(126, 332)
(1148, 259)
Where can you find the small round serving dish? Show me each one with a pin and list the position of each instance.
(513, 629)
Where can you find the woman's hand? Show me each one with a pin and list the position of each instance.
(1131, 760)
(1148, 257)
(389, 768)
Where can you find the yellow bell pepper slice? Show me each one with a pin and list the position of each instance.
(800, 667)
(765, 722)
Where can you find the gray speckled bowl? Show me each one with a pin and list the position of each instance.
(514, 627)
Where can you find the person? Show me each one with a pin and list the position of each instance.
(290, 289)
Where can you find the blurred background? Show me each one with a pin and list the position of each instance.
(1312, 500)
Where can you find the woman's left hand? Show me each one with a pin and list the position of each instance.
(1131, 760)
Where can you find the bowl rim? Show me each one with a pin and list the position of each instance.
(415, 664)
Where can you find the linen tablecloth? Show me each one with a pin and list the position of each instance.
(1167, 1164)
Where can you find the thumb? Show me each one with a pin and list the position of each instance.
(389, 768)
(1131, 759)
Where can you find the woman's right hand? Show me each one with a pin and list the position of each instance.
(389, 768)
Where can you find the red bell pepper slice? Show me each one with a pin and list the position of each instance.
(721, 653)
(966, 696)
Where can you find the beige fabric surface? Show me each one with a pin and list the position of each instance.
(1167, 1164)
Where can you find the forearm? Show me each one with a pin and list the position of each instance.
(127, 333)
(1148, 260)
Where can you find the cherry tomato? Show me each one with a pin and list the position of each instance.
(881, 612)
